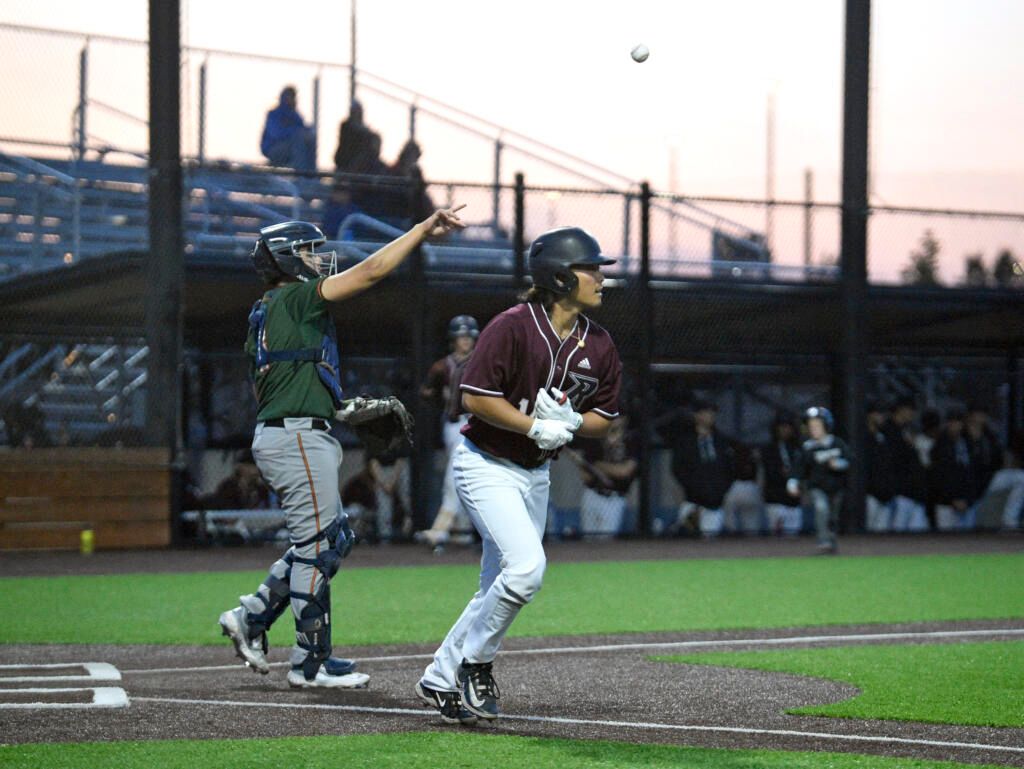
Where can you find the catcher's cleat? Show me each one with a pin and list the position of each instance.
(324, 679)
(336, 666)
(448, 704)
(253, 651)
(479, 689)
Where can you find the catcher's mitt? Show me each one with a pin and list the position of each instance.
(382, 424)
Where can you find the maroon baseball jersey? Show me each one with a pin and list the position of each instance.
(443, 380)
(518, 353)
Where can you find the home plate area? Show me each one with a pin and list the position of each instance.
(603, 687)
(73, 685)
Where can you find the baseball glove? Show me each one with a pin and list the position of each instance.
(382, 424)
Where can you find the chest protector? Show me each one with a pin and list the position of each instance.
(325, 357)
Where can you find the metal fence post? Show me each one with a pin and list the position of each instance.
(1013, 396)
(316, 116)
(853, 283)
(81, 141)
(202, 112)
(646, 360)
(165, 266)
(519, 236)
(495, 217)
(422, 450)
(627, 225)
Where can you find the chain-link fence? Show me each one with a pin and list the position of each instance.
(718, 305)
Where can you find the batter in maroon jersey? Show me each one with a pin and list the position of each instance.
(541, 373)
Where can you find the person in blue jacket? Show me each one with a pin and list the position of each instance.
(287, 141)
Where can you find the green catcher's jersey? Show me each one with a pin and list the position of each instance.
(296, 318)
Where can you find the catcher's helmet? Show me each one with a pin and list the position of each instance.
(276, 253)
(555, 253)
(822, 413)
(463, 325)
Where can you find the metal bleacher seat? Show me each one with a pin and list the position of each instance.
(54, 211)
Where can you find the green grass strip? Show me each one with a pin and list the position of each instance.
(427, 751)
(418, 604)
(980, 684)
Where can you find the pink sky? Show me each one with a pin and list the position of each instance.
(946, 75)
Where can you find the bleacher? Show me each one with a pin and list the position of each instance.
(91, 392)
(55, 212)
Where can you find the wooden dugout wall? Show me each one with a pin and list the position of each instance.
(49, 496)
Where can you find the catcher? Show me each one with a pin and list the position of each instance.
(294, 365)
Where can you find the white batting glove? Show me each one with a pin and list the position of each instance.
(557, 407)
(549, 434)
(793, 487)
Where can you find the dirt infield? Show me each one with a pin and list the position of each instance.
(594, 687)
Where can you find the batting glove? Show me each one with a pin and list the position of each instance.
(793, 487)
(557, 407)
(549, 434)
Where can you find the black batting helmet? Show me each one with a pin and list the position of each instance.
(276, 253)
(555, 253)
(822, 413)
(463, 325)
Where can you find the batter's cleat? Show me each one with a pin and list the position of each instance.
(479, 689)
(325, 680)
(448, 704)
(253, 651)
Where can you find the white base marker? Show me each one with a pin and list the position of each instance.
(95, 671)
(102, 697)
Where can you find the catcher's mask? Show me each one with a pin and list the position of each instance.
(289, 250)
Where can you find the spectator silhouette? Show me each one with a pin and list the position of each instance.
(911, 489)
(702, 463)
(244, 489)
(607, 467)
(955, 476)
(984, 447)
(287, 141)
(778, 459)
(743, 504)
(358, 144)
(400, 203)
(879, 471)
(26, 427)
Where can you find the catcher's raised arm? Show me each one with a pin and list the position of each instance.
(381, 263)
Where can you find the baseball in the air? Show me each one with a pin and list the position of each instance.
(640, 53)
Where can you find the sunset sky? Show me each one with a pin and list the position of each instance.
(947, 111)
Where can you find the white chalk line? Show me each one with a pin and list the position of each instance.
(653, 645)
(594, 722)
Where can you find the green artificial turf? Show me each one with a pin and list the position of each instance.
(418, 604)
(426, 751)
(980, 684)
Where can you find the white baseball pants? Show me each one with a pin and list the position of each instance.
(508, 505)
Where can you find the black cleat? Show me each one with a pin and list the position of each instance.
(479, 689)
(449, 704)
